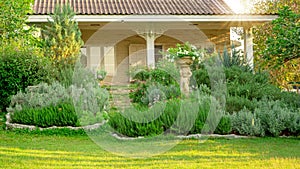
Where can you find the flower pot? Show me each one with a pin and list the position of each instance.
(187, 60)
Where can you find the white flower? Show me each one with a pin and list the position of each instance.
(193, 58)
(193, 47)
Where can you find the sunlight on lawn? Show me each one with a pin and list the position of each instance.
(190, 157)
(60, 152)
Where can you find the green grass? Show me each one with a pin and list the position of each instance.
(21, 150)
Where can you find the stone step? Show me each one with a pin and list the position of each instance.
(120, 96)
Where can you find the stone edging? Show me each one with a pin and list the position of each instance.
(191, 136)
(10, 125)
(198, 136)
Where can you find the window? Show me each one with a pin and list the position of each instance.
(158, 50)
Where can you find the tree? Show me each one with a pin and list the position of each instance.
(14, 31)
(21, 60)
(276, 44)
(282, 43)
(273, 6)
(62, 37)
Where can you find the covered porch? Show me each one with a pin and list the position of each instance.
(118, 45)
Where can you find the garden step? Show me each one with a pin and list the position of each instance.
(120, 96)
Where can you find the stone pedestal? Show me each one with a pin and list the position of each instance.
(185, 74)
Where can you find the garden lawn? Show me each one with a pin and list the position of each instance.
(19, 150)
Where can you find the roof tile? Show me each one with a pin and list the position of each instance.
(137, 7)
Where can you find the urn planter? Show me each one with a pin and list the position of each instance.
(185, 74)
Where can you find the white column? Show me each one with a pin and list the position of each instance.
(248, 46)
(150, 37)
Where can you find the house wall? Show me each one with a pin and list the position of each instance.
(122, 58)
(115, 58)
(86, 34)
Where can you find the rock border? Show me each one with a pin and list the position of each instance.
(199, 136)
(10, 125)
(191, 136)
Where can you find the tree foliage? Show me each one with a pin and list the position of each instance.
(272, 6)
(277, 43)
(14, 30)
(282, 43)
(62, 37)
(19, 69)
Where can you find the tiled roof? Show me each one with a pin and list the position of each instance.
(137, 7)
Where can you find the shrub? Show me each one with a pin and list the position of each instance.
(235, 58)
(177, 116)
(237, 103)
(271, 118)
(187, 116)
(154, 94)
(149, 83)
(204, 108)
(157, 92)
(291, 99)
(41, 95)
(50, 132)
(294, 123)
(275, 117)
(246, 123)
(224, 126)
(61, 115)
(101, 74)
(251, 86)
(245, 88)
(134, 129)
(210, 117)
(88, 102)
(19, 70)
(201, 77)
(137, 121)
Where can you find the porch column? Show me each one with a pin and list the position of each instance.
(150, 50)
(248, 46)
(150, 39)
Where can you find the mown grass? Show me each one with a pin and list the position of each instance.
(19, 150)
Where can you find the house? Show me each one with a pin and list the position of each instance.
(119, 34)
